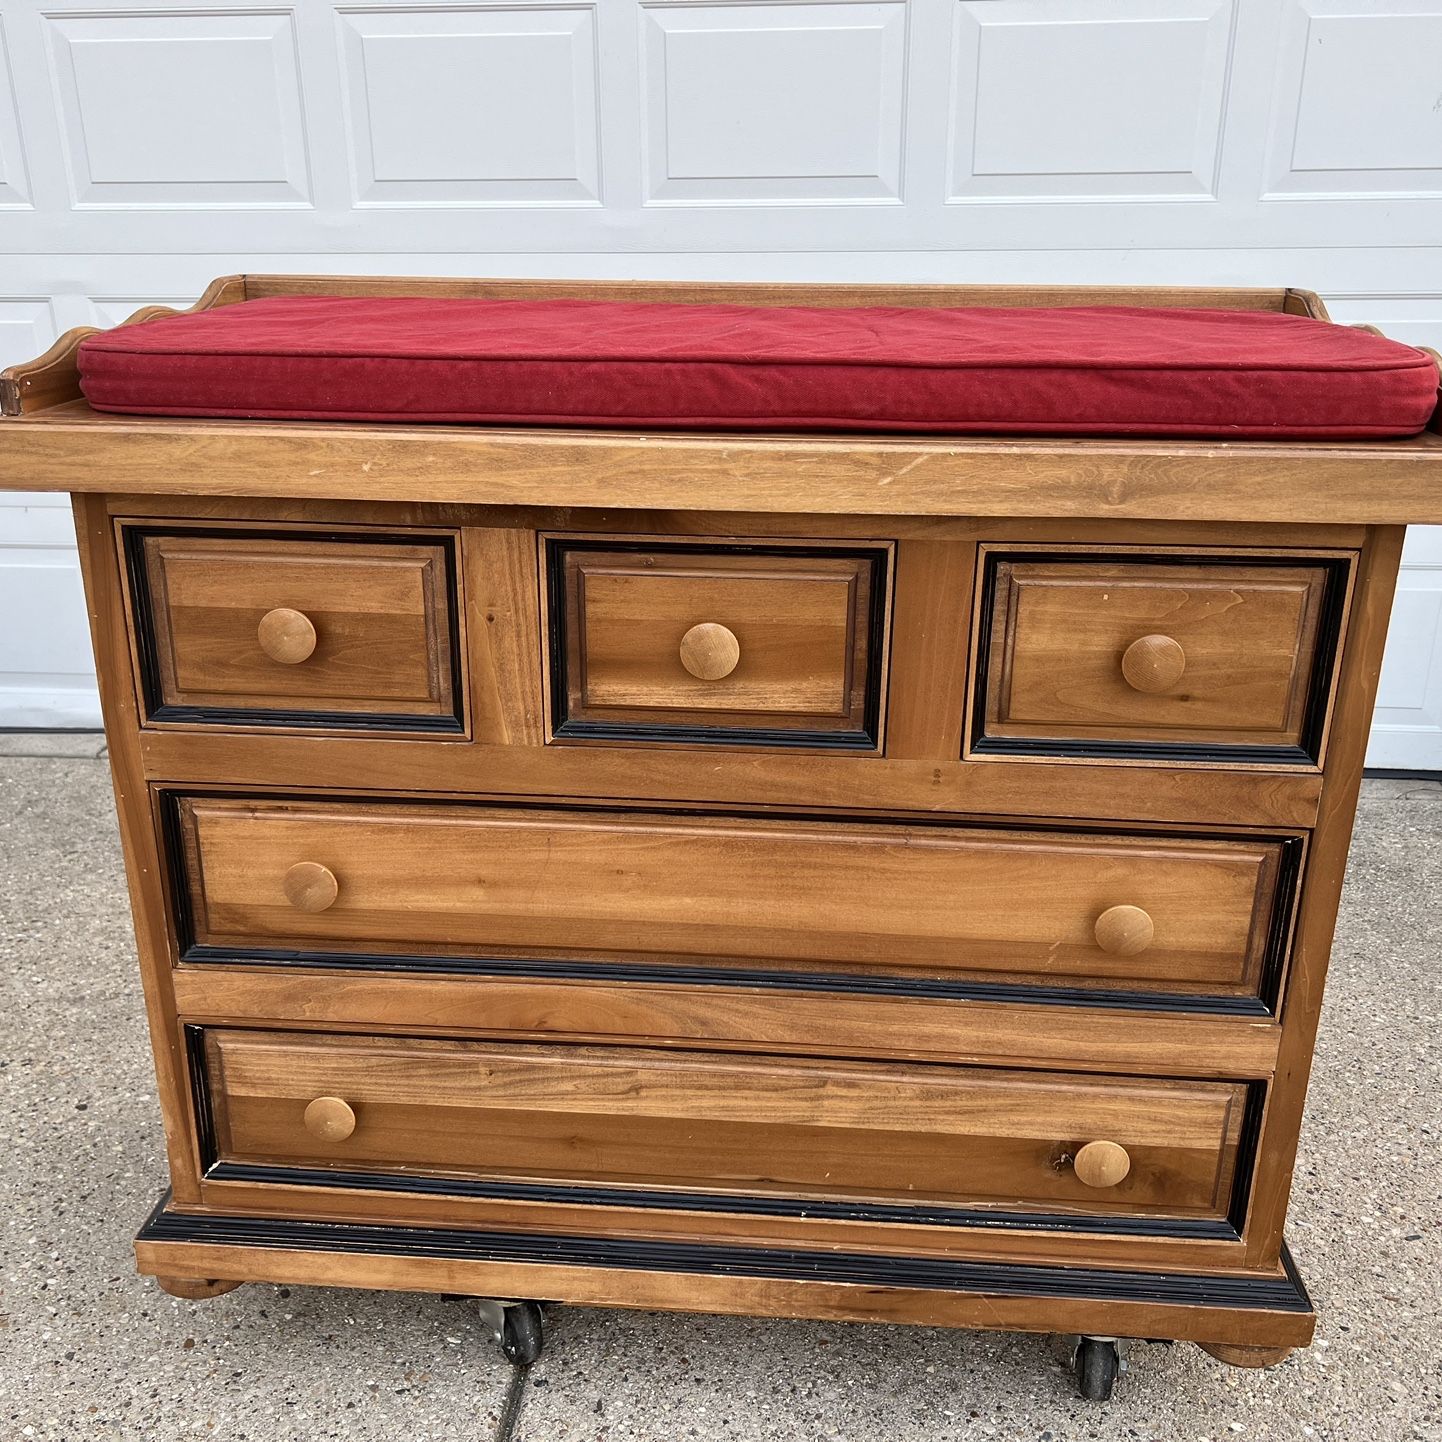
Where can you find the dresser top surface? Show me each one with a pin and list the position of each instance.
(58, 443)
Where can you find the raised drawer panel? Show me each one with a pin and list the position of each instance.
(253, 629)
(730, 645)
(1164, 913)
(1212, 658)
(744, 1124)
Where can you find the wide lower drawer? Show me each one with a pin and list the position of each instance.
(1037, 907)
(657, 1119)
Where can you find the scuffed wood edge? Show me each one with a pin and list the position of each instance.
(54, 378)
(1304, 302)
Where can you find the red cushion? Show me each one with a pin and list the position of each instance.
(1117, 371)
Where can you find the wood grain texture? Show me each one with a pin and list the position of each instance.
(227, 616)
(667, 1119)
(799, 626)
(1342, 482)
(748, 1019)
(1230, 651)
(505, 637)
(1361, 668)
(933, 587)
(140, 838)
(636, 886)
(720, 524)
(750, 778)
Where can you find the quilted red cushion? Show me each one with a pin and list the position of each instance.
(1117, 371)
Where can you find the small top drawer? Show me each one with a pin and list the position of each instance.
(1222, 657)
(247, 628)
(728, 644)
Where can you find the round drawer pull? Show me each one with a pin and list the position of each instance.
(1100, 1164)
(1124, 930)
(1153, 664)
(709, 651)
(309, 886)
(332, 1119)
(286, 636)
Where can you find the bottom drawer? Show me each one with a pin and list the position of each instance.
(744, 1125)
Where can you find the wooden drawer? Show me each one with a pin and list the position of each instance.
(1209, 658)
(662, 1119)
(273, 629)
(1054, 908)
(732, 645)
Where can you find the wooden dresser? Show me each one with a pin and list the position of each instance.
(817, 876)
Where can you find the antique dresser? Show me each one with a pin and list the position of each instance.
(826, 874)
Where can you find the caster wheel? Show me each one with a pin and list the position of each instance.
(522, 1334)
(1097, 1365)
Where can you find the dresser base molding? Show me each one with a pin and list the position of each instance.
(1264, 1311)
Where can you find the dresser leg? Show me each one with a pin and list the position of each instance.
(193, 1289)
(1235, 1356)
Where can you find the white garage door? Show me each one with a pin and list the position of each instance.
(146, 148)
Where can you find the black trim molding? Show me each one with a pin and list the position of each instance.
(883, 1213)
(565, 727)
(143, 613)
(1003, 1279)
(1329, 635)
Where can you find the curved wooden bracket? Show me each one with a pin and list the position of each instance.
(54, 378)
(1304, 302)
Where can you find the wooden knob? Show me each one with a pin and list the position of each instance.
(710, 651)
(286, 636)
(1098, 1164)
(1124, 930)
(309, 886)
(332, 1120)
(1153, 663)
